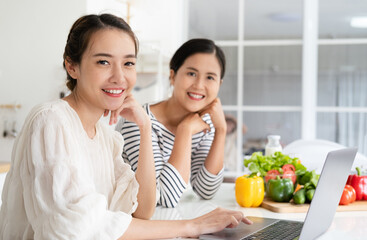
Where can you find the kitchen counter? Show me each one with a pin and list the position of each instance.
(4, 167)
(346, 225)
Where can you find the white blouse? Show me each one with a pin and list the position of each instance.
(64, 185)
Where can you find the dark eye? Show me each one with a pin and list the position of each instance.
(103, 62)
(129, 64)
(211, 78)
(191, 74)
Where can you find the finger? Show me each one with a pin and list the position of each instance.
(238, 215)
(113, 117)
(106, 112)
(247, 221)
(230, 226)
(116, 117)
(129, 103)
(205, 110)
(234, 223)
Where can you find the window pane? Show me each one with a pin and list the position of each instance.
(217, 20)
(272, 76)
(260, 125)
(276, 19)
(348, 129)
(335, 18)
(342, 79)
(228, 89)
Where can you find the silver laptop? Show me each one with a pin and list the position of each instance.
(320, 214)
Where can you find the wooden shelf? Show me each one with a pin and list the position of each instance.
(4, 167)
(10, 106)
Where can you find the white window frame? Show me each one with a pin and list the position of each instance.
(309, 43)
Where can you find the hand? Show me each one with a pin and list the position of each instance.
(216, 113)
(217, 220)
(131, 111)
(193, 123)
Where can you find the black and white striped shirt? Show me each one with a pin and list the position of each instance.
(170, 184)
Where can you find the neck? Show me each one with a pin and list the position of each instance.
(88, 113)
(174, 112)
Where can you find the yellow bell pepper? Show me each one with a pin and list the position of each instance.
(249, 191)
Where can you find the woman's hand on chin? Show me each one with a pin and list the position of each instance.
(131, 110)
(216, 113)
(194, 124)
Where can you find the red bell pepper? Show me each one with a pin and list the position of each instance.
(359, 183)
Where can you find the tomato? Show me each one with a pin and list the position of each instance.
(271, 174)
(287, 167)
(291, 175)
(348, 196)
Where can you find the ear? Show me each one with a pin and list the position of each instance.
(72, 69)
(172, 77)
(221, 81)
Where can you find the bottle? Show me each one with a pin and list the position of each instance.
(273, 145)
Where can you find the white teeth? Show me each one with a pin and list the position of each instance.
(196, 96)
(113, 91)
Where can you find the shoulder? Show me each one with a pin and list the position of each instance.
(50, 113)
(49, 124)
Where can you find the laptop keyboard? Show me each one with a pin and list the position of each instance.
(282, 230)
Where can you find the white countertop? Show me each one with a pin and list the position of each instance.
(346, 225)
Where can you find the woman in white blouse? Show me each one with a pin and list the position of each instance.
(67, 178)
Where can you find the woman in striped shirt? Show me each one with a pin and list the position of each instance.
(189, 128)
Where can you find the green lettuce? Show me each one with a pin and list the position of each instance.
(260, 164)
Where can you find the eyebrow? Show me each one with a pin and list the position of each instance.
(194, 69)
(109, 55)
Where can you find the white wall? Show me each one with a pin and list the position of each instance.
(32, 40)
(33, 35)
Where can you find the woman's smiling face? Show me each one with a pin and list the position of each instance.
(107, 69)
(196, 83)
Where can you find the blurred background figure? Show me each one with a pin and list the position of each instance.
(230, 147)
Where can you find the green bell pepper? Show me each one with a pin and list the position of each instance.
(280, 190)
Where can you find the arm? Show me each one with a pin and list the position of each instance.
(145, 175)
(181, 153)
(170, 182)
(213, 221)
(145, 169)
(204, 182)
(174, 174)
(207, 159)
(214, 161)
(206, 179)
